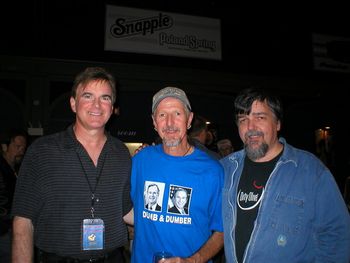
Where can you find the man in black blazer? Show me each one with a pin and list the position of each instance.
(152, 198)
(179, 200)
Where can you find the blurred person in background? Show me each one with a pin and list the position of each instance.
(10, 161)
(224, 147)
(198, 134)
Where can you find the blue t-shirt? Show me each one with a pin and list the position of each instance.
(158, 176)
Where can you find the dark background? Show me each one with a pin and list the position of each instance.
(267, 45)
(256, 38)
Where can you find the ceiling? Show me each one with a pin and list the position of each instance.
(258, 39)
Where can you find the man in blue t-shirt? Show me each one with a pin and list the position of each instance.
(184, 181)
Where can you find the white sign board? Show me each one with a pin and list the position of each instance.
(161, 33)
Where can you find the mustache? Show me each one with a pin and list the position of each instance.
(253, 133)
(170, 129)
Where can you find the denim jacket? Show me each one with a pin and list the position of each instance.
(302, 216)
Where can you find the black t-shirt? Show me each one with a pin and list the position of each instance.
(53, 191)
(249, 194)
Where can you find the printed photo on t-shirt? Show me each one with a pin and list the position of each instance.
(179, 199)
(153, 195)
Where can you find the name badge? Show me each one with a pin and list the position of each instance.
(93, 234)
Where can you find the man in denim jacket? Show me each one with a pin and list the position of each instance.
(280, 204)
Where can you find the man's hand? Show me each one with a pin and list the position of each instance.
(176, 260)
(144, 145)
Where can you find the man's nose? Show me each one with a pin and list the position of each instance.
(169, 120)
(20, 150)
(97, 102)
(251, 125)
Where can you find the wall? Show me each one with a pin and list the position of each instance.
(41, 87)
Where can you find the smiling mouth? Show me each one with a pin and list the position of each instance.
(94, 113)
(171, 131)
(253, 141)
(253, 138)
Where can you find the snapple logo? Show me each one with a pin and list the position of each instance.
(125, 28)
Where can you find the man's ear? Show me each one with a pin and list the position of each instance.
(154, 123)
(73, 104)
(189, 121)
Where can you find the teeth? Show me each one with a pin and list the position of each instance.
(94, 113)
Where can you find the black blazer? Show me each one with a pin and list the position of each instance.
(158, 207)
(175, 210)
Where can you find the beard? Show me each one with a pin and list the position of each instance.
(18, 159)
(255, 153)
(171, 142)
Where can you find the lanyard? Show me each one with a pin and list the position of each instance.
(93, 190)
